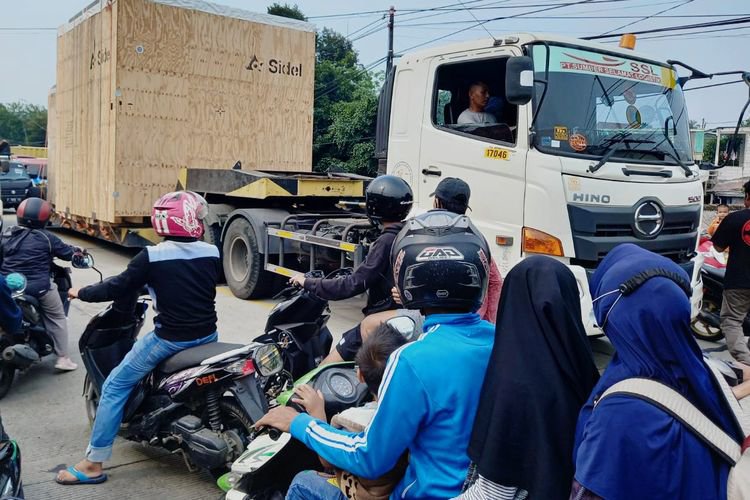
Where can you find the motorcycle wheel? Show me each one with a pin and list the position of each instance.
(7, 372)
(703, 331)
(91, 399)
(233, 417)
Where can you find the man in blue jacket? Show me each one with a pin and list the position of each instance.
(29, 249)
(430, 390)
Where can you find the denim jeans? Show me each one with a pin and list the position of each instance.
(310, 485)
(145, 355)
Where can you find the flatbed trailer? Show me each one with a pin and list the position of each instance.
(267, 225)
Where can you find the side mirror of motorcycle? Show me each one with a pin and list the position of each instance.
(268, 361)
(405, 326)
(82, 260)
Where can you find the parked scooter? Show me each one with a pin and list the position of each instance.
(11, 487)
(272, 459)
(707, 325)
(27, 347)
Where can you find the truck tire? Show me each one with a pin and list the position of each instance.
(243, 263)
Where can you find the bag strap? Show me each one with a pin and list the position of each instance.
(681, 409)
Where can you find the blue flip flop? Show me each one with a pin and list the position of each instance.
(81, 478)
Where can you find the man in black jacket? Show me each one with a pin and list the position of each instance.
(388, 201)
(29, 249)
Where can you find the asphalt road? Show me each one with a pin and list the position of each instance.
(44, 410)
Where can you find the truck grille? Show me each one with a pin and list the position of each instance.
(597, 230)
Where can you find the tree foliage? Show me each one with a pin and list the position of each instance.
(286, 10)
(22, 123)
(346, 102)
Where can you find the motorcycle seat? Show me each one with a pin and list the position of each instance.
(194, 356)
(31, 300)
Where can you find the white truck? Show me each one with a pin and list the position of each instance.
(590, 149)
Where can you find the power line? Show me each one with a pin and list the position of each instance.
(647, 17)
(477, 20)
(365, 27)
(443, 23)
(556, 6)
(727, 22)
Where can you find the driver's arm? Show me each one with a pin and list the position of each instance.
(60, 249)
(403, 407)
(367, 274)
(130, 281)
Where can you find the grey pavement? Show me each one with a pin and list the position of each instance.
(44, 410)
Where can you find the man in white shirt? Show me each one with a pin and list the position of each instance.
(479, 96)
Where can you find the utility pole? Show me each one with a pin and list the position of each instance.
(389, 64)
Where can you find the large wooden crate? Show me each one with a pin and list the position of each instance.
(146, 87)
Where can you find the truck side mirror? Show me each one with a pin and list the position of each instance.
(519, 80)
(5, 165)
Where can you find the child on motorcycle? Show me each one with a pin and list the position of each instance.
(371, 361)
(722, 211)
(430, 389)
(29, 249)
(181, 274)
(388, 200)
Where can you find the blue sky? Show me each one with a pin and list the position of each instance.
(28, 56)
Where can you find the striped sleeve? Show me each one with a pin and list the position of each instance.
(370, 454)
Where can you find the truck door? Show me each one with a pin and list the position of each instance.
(486, 149)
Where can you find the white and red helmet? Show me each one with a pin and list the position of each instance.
(179, 214)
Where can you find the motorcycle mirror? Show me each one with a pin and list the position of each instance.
(267, 359)
(82, 260)
(404, 325)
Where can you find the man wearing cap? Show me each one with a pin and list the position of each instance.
(451, 194)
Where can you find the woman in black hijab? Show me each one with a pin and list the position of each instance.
(539, 376)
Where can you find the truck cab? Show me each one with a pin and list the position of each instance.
(598, 153)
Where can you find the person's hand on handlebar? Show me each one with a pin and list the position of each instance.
(395, 295)
(279, 418)
(298, 280)
(73, 293)
(311, 400)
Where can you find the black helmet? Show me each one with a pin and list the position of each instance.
(388, 198)
(440, 260)
(33, 213)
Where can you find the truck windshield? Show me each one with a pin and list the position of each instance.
(14, 173)
(597, 102)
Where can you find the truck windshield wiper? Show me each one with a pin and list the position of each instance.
(675, 158)
(611, 148)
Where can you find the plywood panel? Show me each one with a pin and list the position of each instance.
(179, 88)
(83, 180)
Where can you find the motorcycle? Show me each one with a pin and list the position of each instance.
(272, 459)
(11, 487)
(23, 349)
(203, 402)
(707, 325)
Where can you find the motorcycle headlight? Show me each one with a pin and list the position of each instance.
(268, 360)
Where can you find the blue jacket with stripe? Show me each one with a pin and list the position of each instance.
(427, 402)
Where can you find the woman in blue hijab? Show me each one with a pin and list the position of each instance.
(627, 448)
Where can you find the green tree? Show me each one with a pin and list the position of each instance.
(22, 123)
(286, 10)
(345, 109)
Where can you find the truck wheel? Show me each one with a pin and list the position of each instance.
(243, 263)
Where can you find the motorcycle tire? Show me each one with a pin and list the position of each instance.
(703, 331)
(7, 372)
(232, 412)
(91, 400)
